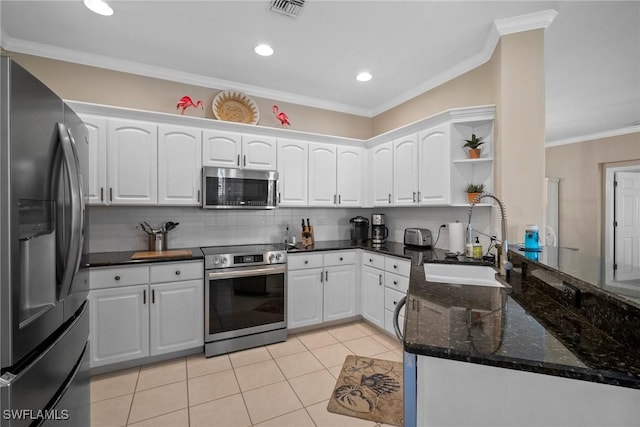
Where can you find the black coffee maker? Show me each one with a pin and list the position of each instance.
(359, 227)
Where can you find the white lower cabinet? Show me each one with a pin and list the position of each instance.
(320, 288)
(373, 295)
(142, 311)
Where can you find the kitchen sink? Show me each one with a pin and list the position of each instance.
(461, 274)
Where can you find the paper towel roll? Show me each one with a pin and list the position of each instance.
(456, 237)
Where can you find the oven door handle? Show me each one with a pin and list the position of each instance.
(258, 271)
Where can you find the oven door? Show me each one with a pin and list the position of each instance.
(244, 301)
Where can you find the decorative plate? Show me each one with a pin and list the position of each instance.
(233, 106)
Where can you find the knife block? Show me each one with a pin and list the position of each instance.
(307, 236)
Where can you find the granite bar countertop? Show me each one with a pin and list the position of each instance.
(106, 259)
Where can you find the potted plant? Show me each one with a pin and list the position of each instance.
(473, 145)
(473, 190)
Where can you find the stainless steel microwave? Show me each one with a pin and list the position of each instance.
(229, 188)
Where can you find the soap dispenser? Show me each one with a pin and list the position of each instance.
(477, 249)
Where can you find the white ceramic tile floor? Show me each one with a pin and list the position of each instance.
(284, 384)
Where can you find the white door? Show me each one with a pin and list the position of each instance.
(132, 163)
(221, 149)
(259, 152)
(119, 326)
(405, 171)
(381, 173)
(435, 166)
(350, 176)
(97, 176)
(339, 292)
(304, 297)
(373, 295)
(176, 316)
(322, 175)
(179, 165)
(627, 225)
(292, 172)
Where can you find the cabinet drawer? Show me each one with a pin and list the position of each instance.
(339, 258)
(300, 261)
(397, 265)
(112, 277)
(373, 260)
(391, 298)
(176, 271)
(397, 282)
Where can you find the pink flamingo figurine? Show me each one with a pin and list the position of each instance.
(186, 102)
(282, 116)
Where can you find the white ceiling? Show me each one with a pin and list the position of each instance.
(592, 49)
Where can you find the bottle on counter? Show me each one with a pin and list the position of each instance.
(477, 249)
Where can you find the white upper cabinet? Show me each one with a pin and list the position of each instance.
(435, 166)
(405, 171)
(381, 174)
(97, 128)
(350, 176)
(322, 174)
(132, 162)
(235, 150)
(221, 149)
(179, 163)
(259, 152)
(293, 164)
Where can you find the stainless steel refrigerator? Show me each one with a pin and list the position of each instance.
(44, 278)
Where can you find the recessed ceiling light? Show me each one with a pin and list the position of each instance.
(364, 76)
(99, 6)
(263, 50)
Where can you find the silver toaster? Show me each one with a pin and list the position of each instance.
(417, 237)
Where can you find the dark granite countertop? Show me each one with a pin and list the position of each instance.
(517, 327)
(106, 259)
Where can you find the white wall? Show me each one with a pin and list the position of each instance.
(113, 228)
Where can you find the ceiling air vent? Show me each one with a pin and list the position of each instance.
(287, 7)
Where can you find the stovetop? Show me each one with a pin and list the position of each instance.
(216, 257)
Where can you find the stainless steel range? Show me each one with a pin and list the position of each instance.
(245, 297)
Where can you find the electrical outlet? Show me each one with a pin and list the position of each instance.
(570, 294)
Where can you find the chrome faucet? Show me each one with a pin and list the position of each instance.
(503, 263)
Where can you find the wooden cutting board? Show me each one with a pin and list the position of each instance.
(177, 253)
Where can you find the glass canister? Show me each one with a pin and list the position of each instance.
(531, 237)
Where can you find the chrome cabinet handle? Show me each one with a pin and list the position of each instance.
(102, 194)
(238, 161)
(334, 199)
(389, 197)
(395, 282)
(341, 259)
(370, 260)
(279, 197)
(306, 261)
(395, 266)
(339, 199)
(326, 276)
(117, 278)
(414, 197)
(198, 196)
(419, 196)
(111, 194)
(178, 272)
(380, 279)
(153, 296)
(244, 160)
(321, 277)
(144, 296)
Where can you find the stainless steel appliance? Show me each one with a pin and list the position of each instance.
(359, 229)
(245, 297)
(44, 280)
(227, 188)
(420, 237)
(379, 231)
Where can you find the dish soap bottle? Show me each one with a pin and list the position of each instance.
(477, 249)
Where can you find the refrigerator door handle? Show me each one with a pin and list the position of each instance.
(72, 257)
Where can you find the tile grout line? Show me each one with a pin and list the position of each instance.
(133, 397)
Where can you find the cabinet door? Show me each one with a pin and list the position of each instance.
(350, 176)
(119, 325)
(179, 165)
(259, 152)
(293, 163)
(97, 129)
(435, 166)
(322, 175)
(176, 316)
(132, 148)
(373, 295)
(221, 149)
(339, 292)
(304, 297)
(405, 171)
(381, 173)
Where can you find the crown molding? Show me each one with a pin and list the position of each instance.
(501, 27)
(593, 136)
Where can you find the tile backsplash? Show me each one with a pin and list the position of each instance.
(113, 228)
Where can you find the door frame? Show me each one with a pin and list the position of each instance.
(609, 204)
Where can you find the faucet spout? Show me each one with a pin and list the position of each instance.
(504, 263)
